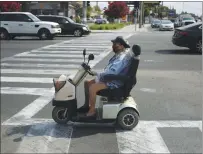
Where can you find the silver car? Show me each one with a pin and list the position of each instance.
(166, 25)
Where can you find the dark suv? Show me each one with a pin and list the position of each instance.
(68, 26)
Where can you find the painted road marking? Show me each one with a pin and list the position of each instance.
(65, 52)
(75, 49)
(55, 139)
(24, 91)
(33, 108)
(41, 65)
(145, 138)
(153, 61)
(74, 46)
(51, 55)
(26, 79)
(34, 71)
(148, 90)
(46, 60)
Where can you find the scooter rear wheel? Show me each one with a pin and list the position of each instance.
(127, 119)
(59, 115)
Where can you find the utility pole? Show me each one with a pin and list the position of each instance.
(135, 19)
(84, 12)
(141, 12)
(143, 19)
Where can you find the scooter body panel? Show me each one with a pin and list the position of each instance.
(66, 92)
(111, 110)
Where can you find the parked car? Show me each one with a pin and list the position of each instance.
(26, 24)
(166, 25)
(189, 36)
(101, 21)
(68, 26)
(155, 23)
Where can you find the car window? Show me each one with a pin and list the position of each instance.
(45, 18)
(22, 18)
(70, 20)
(187, 19)
(61, 20)
(166, 22)
(8, 17)
(157, 21)
(2, 17)
(33, 17)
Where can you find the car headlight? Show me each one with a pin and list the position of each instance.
(55, 26)
(84, 28)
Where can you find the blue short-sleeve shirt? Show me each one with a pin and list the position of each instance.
(118, 64)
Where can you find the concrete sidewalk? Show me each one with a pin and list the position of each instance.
(130, 28)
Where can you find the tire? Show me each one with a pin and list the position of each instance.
(198, 46)
(4, 35)
(78, 32)
(44, 34)
(58, 115)
(127, 114)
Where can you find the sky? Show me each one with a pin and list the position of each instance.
(190, 7)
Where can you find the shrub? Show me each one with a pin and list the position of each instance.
(112, 26)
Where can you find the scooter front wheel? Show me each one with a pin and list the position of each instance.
(60, 115)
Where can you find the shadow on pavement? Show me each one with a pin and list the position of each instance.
(177, 51)
(60, 131)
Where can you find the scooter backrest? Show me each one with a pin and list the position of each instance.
(136, 49)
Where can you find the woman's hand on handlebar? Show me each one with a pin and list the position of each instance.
(93, 73)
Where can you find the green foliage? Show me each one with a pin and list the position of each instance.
(146, 12)
(89, 11)
(77, 20)
(97, 9)
(108, 26)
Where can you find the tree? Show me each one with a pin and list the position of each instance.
(117, 9)
(10, 6)
(89, 11)
(146, 12)
(97, 9)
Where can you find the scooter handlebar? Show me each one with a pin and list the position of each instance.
(90, 72)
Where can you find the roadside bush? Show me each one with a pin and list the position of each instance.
(112, 26)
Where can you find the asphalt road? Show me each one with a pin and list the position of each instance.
(167, 93)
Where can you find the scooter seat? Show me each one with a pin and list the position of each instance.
(112, 94)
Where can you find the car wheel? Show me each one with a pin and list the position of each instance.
(78, 33)
(4, 35)
(44, 34)
(199, 46)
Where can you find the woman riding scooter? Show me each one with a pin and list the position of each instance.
(118, 64)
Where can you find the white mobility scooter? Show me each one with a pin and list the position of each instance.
(113, 105)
